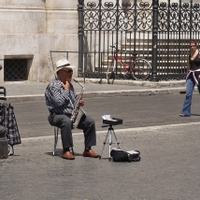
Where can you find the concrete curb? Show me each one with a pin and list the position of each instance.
(25, 98)
(135, 92)
(159, 84)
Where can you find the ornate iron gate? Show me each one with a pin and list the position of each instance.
(158, 32)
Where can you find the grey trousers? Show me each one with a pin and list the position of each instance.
(86, 124)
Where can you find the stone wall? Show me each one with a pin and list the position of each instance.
(31, 29)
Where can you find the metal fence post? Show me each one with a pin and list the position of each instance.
(80, 36)
(191, 14)
(100, 28)
(154, 43)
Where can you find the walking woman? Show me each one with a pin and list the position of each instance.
(192, 78)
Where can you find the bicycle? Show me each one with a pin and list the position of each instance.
(137, 68)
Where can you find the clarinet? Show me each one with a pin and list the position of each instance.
(77, 113)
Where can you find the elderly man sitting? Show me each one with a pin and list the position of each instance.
(61, 99)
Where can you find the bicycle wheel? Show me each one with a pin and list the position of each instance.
(140, 69)
(110, 74)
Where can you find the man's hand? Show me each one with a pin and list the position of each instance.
(66, 85)
(81, 102)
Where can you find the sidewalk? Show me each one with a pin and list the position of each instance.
(25, 91)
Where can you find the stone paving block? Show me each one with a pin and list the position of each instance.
(169, 168)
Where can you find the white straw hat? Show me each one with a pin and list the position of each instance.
(63, 64)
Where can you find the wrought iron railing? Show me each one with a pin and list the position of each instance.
(159, 32)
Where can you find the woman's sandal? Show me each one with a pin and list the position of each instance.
(182, 115)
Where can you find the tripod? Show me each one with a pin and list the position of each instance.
(109, 134)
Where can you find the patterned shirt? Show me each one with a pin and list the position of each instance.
(58, 99)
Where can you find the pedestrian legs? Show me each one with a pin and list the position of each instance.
(188, 98)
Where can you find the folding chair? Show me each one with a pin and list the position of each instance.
(56, 133)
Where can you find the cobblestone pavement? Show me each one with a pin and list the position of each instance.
(169, 168)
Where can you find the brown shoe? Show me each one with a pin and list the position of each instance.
(68, 155)
(90, 153)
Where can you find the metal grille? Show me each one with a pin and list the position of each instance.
(15, 69)
(130, 26)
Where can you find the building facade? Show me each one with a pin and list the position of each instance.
(29, 31)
